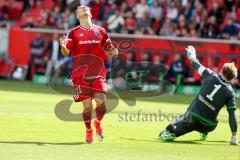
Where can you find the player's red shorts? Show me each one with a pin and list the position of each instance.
(87, 88)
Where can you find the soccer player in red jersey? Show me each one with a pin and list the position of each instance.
(87, 43)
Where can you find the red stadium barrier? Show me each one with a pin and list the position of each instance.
(19, 46)
(226, 50)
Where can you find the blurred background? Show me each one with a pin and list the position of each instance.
(147, 32)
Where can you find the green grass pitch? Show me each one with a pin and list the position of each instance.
(29, 130)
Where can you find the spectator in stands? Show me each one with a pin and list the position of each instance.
(187, 11)
(131, 67)
(3, 16)
(131, 62)
(115, 22)
(156, 70)
(37, 46)
(130, 23)
(143, 68)
(172, 11)
(118, 66)
(168, 28)
(141, 9)
(118, 72)
(53, 49)
(143, 24)
(3, 20)
(216, 12)
(155, 11)
(215, 67)
(229, 4)
(95, 8)
(124, 7)
(182, 27)
(229, 30)
(211, 28)
(177, 67)
(144, 65)
(42, 20)
(69, 19)
(109, 10)
(166, 24)
(38, 57)
(193, 30)
(156, 24)
(56, 19)
(199, 14)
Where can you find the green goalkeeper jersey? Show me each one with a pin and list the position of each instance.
(214, 94)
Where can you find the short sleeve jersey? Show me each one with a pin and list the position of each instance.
(87, 49)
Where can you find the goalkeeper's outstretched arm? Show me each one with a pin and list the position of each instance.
(191, 53)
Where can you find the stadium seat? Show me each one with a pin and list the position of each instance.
(15, 10)
(48, 4)
(35, 13)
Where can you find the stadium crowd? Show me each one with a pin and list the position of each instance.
(181, 18)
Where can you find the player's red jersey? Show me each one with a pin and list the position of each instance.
(87, 49)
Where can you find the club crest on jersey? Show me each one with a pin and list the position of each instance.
(97, 33)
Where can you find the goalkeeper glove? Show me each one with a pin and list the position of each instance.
(191, 53)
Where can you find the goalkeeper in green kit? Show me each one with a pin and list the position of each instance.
(201, 116)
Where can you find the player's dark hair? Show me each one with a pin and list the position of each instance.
(229, 71)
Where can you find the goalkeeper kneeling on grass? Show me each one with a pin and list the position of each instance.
(201, 116)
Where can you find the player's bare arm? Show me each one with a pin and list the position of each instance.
(64, 50)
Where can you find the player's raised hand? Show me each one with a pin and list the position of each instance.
(114, 52)
(191, 52)
(64, 49)
(234, 141)
(62, 40)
